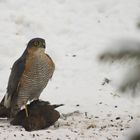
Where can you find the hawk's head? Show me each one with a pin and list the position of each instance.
(36, 43)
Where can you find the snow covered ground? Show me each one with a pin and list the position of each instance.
(76, 32)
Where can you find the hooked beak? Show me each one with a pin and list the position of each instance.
(44, 45)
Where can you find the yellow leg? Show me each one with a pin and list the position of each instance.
(26, 111)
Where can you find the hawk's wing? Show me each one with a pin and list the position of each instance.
(16, 72)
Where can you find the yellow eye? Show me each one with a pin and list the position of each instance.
(36, 43)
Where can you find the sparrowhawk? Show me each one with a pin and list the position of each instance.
(29, 76)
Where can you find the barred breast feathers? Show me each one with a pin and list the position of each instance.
(39, 69)
(51, 65)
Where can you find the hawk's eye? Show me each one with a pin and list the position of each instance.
(36, 43)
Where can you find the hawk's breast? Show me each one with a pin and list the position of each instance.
(38, 70)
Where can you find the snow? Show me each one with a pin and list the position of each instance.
(76, 33)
